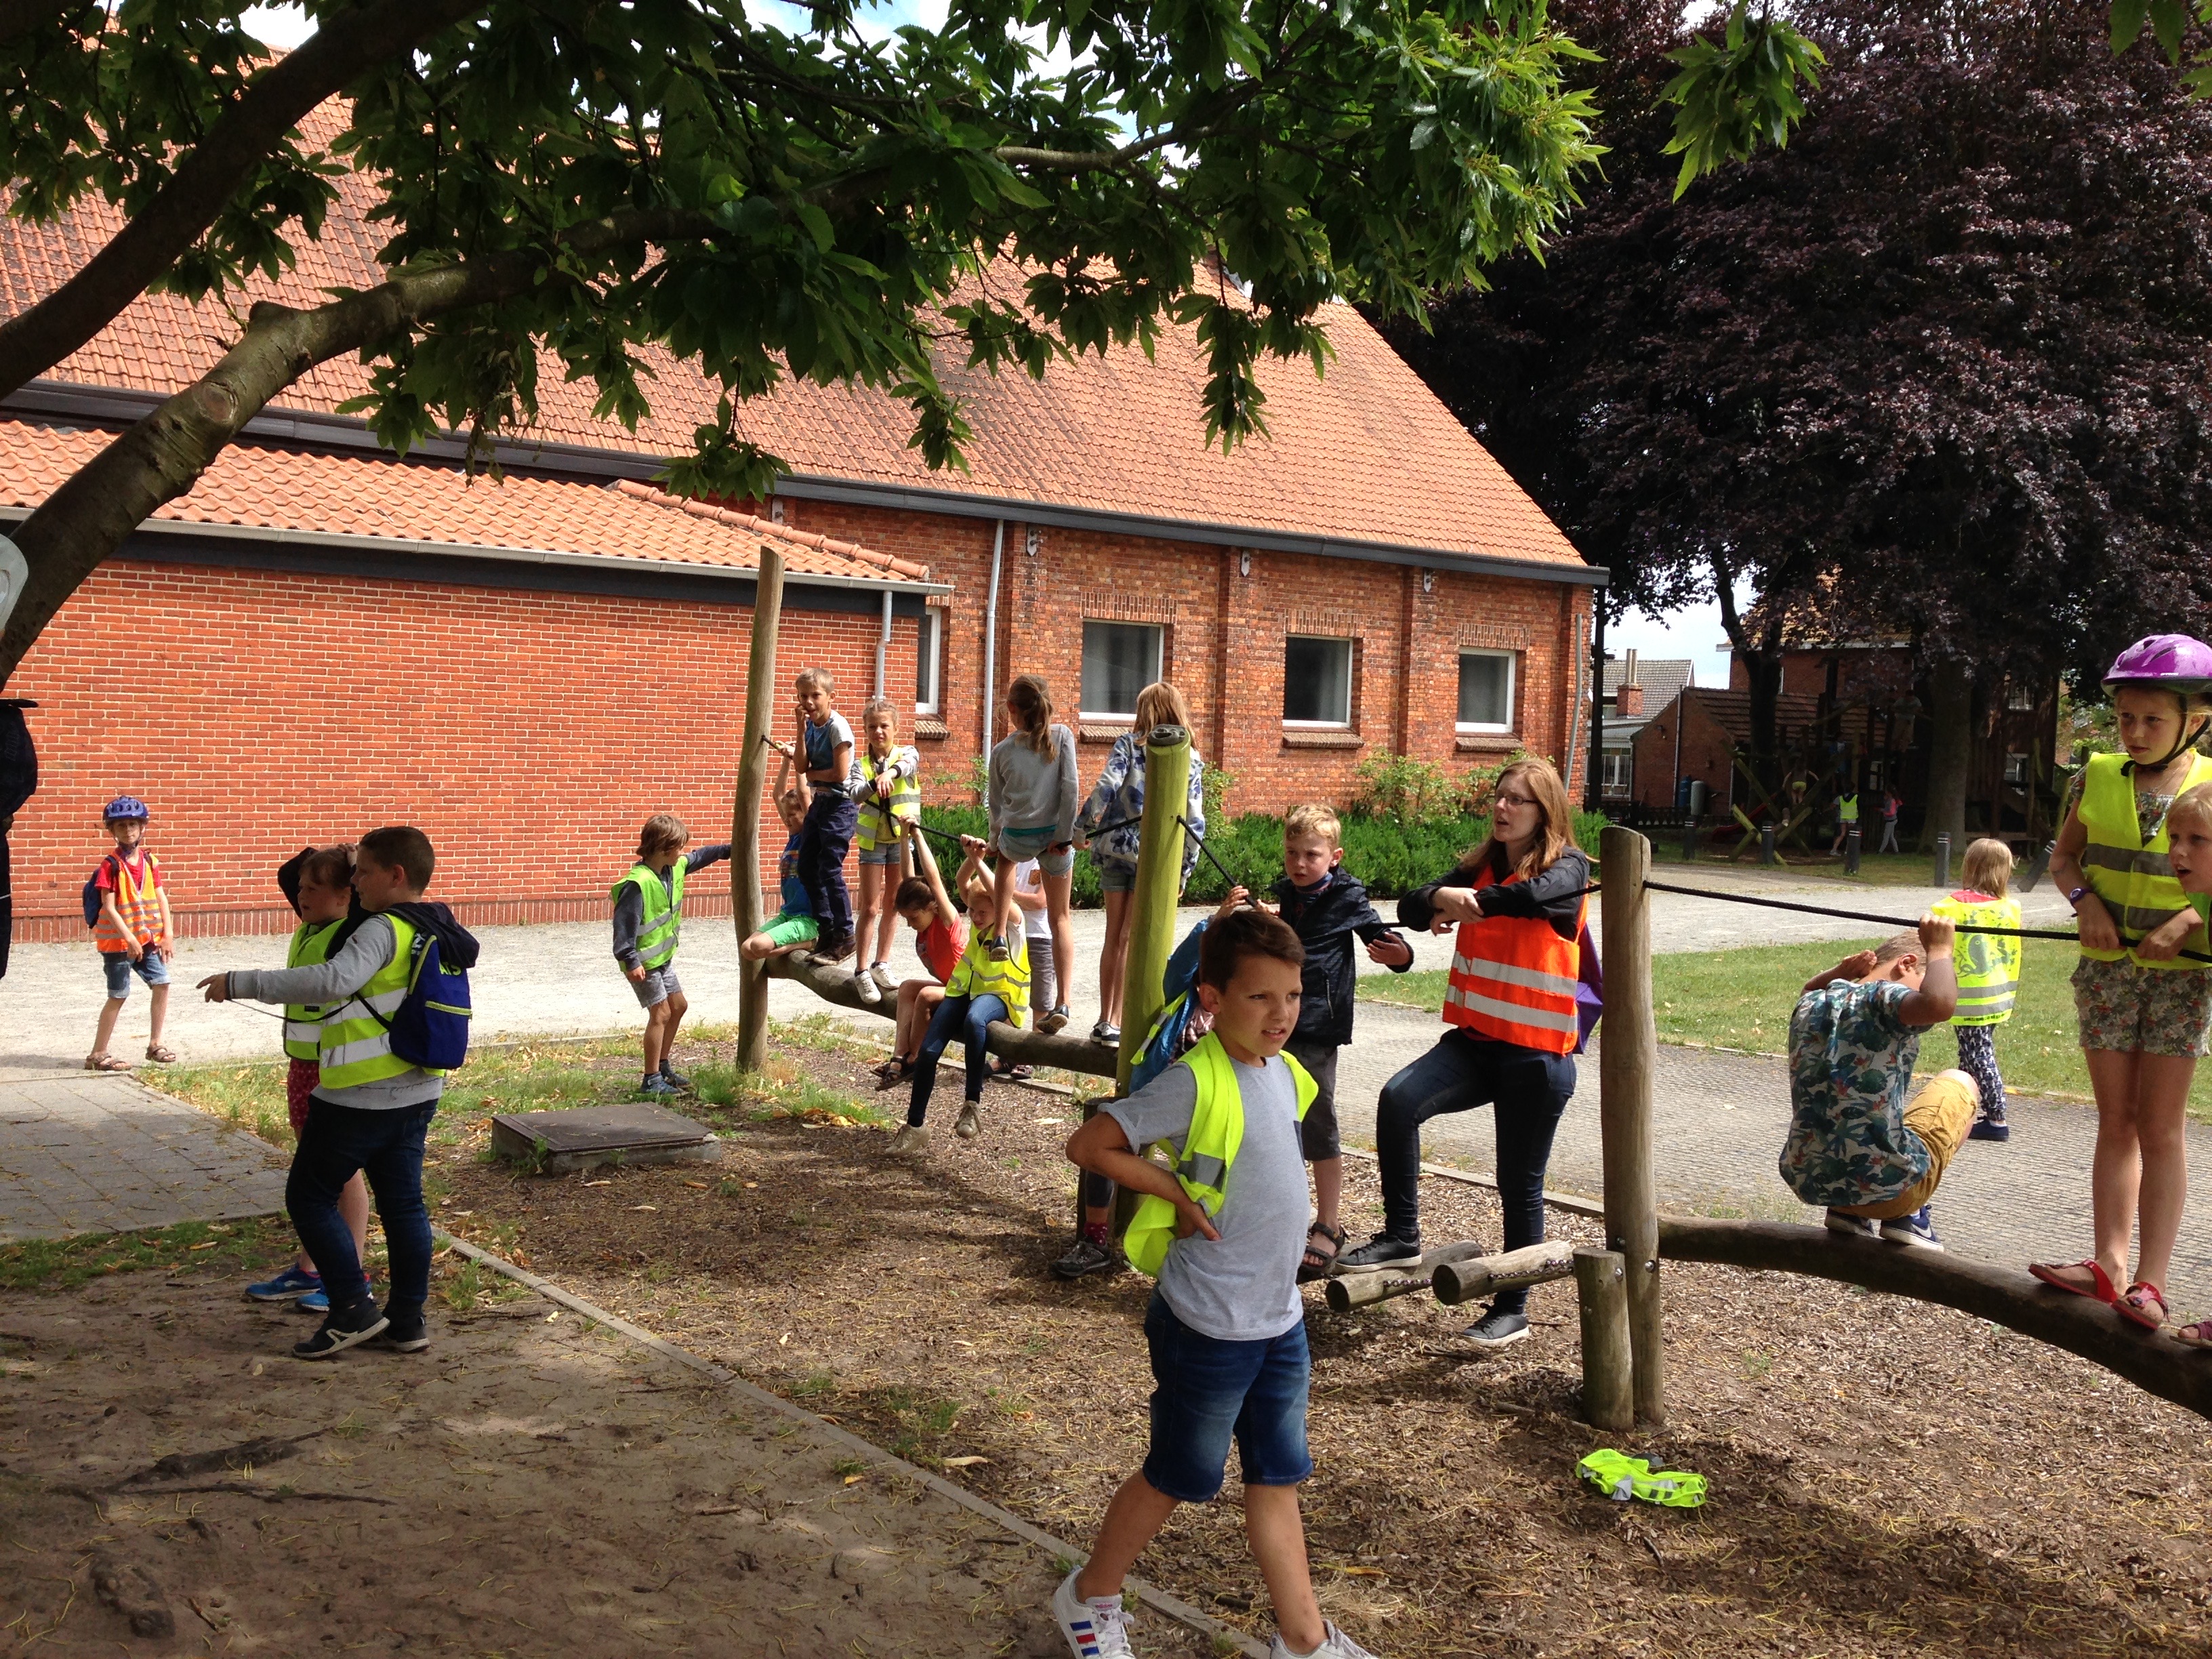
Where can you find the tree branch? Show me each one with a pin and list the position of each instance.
(33, 341)
(21, 17)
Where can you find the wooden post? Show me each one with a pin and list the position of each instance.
(744, 819)
(1628, 1053)
(1608, 1387)
(1159, 883)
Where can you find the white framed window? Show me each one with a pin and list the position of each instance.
(1619, 768)
(929, 661)
(1119, 659)
(1316, 681)
(1485, 691)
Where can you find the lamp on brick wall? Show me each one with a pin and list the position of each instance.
(1032, 541)
(1243, 561)
(1428, 582)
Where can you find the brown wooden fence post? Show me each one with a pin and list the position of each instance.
(1628, 1053)
(745, 816)
(1609, 1371)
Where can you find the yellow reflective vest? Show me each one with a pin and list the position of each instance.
(663, 918)
(1988, 964)
(2132, 876)
(975, 975)
(1208, 1151)
(303, 1021)
(900, 774)
(1847, 807)
(355, 1047)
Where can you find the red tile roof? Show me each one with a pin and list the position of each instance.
(1366, 453)
(264, 486)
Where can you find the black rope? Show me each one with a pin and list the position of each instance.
(1207, 853)
(1886, 921)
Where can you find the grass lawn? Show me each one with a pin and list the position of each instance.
(1742, 999)
(1876, 869)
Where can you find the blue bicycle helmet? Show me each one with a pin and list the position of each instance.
(124, 807)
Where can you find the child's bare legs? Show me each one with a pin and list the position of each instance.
(918, 1000)
(109, 1011)
(1139, 1511)
(872, 919)
(1003, 905)
(1113, 960)
(1058, 890)
(888, 877)
(657, 1025)
(678, 1005)
(157, 1012)
(1271, 1522)
(2141, 1157)
(1328, 1190)
(353, 1210)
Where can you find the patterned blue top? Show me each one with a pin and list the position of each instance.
(1850, 1063)
(1119, 795)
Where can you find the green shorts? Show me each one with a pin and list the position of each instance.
(789, 929)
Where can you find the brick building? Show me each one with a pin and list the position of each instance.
(321, 635)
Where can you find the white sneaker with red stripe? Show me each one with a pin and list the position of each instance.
(1093, 1630)
(1334, 1645)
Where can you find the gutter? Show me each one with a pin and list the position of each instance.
(991, 639)
(352, 543)
(112, 403)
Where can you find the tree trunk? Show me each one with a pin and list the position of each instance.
(1950, 753)
(1763, 669)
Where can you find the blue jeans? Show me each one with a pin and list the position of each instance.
(968, 1019)
(386, 1147)
(1210, 1391)
(824, 839)
(1530, 1090)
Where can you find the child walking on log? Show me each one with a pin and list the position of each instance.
(983, 988)
(823, 753)
(1117, 802)
(649, 902)
(1226, 1326)
(887, 776)
(1855, 1145)
(1033, 796)
(1988, 966)
(2145, 1008)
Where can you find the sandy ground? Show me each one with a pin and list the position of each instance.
(530, 1485)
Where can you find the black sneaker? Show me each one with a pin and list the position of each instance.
(830, 952)
(341, 1331)
(1083, 1259)
(1378, 1252)
(1990, 1127)
(669, 1074)
(1495, 1329)
(402, 1334)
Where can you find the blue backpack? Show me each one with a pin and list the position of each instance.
(92, 899)
(430, 1029)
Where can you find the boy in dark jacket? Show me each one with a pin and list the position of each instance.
(1327, 906)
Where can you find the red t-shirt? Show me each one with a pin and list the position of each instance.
(104, 880)
(941, 947)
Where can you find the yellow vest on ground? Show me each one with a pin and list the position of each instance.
(2133, 877)
(303, 1021)
(355, 1047)
(1988, 964)
(663, 919)
(1208, 1150)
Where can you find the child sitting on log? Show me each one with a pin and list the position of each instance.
(1226, 1326)
(793, 927)
(985, 987)
(1856, 1145)
(939, 938)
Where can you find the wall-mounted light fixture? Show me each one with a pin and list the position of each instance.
(1032, 540)
(776, 510)
(1243, 561)
(1428, 582)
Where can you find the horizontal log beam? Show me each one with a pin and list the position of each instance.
(2154, 1363)
(1455, 1282)
(1009, 1042)
(1348, 1291)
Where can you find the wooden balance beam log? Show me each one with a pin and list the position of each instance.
(1010, 1044)
(1355, 1290)
(2155, 1364)
(1455, 1282)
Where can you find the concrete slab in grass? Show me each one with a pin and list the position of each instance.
(633, 1132)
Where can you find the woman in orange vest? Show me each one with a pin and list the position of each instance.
(1518, 903)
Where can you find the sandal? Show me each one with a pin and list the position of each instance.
(1319, 1263)
(159, 1055)
(2102, 1288)
(2198, 1335)
(892, 1073)
(105, 1061)
(2135, 1304)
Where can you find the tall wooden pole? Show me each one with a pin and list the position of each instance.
(745, 816)
(1628, 1052)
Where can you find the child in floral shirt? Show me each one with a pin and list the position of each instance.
(1855, 1144)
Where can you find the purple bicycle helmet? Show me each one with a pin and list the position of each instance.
(2174, 662)
(123, 808)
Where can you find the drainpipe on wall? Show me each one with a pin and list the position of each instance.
(991, 637)
(884, 645)
(1574, 721)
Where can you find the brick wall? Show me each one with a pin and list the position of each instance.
(528, 733)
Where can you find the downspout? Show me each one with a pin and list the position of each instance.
(883, 644)
(991, 637)
(1574, 722)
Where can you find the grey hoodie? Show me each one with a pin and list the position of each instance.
(1030, 790)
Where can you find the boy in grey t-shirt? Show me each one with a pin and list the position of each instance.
(1226, 1326)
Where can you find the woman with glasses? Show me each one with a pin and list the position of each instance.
(1518, 902)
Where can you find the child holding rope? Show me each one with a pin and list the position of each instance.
(984, 988)
(1117, 803)
(1989, 975)
(887, 781)
(940, 939)
(2145, 1006)
(1033, 796)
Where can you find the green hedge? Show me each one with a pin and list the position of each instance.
(1391, 856)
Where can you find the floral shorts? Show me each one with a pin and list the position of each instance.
(2151, 1010)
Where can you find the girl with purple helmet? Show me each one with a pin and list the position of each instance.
(2143, 987)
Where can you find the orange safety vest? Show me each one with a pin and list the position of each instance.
(141, 909)
(1513, 978)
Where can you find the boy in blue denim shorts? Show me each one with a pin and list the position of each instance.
(1226, 1328)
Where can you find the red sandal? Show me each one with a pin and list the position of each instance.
(2102, 1288)
(2131, 1306)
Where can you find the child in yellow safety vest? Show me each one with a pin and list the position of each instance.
(649, 902)
(133, 931)
(318, 882)
(986, 985)
(2141, 989)
(1987, 967)
(1224, 1228)
(887, 784)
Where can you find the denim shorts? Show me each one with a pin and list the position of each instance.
(1114, 877)
(657, 987)
(1022, 845)
(885, 851)
(1210, 1392)
(152, 967)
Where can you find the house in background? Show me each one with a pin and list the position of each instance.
(1636, 690)
(564, 652)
